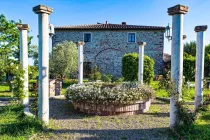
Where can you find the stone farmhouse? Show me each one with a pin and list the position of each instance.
(105, 44)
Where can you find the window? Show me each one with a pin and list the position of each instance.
(87, 37)
(131, 37)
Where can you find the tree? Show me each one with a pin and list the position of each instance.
(190, 48)
(9, 46)
(34, 54)
(63, 60)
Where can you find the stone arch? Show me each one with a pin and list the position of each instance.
(109, 61)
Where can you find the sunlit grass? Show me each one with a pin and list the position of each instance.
(15, 125)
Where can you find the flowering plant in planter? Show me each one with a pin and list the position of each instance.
(105, 93)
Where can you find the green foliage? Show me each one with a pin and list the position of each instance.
(121, 79)
(101, 93)
(32, 72)
(34, 54)
(189, 67)
(190, 48)
(107, 78)
(15, 125)
(18, 81)
(130, 68)
(186, 116)
(200, 129)
(63, 61)
(95, 74)
(148, 69)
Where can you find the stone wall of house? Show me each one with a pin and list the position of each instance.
(108, 47)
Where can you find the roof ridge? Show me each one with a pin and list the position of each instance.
(111, 26)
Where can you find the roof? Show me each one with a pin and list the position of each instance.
(108, 26)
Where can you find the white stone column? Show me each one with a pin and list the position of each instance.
(176, 58)
(43, 22)
(80, 62)
(199, 74)
(141, 61)
(24, 60)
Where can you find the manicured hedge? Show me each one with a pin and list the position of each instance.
(130, 68)
(189, 67)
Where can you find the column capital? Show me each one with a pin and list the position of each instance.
(42, 9)
(142, 43)
(80, 43)
(177, 9)
(22, 26)
(201, 28)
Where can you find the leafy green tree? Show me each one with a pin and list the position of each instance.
(9, 46)
(63, 60)
(34, 54)
(190, 48)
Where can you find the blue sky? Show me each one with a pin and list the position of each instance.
(137, 12)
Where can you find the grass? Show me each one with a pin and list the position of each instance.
(187, 95)
(14, 125)
(199, 130)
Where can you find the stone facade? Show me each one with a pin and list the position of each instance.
(107, 47)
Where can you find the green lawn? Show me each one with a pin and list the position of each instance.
(200, 130)
(188, 94)
(14, 125)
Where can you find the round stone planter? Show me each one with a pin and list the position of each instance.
(113, 109)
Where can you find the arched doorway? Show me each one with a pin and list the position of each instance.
(109, 61)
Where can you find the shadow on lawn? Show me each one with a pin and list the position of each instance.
(115, 134)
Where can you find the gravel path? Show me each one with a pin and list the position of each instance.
(65, 124)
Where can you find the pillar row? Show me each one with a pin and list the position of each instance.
(43, 50)
(177, 12)
(199, 73)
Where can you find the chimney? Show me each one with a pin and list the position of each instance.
(123, 23)
(106, 22)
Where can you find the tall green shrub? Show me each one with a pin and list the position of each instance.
(130, 67)
(189, 67)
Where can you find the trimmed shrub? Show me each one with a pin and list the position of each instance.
(189, 67)
(130, 67)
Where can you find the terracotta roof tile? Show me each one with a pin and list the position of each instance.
(109, 27)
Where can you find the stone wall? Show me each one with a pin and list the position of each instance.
(108, 47)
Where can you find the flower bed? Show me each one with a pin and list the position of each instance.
(110, 99)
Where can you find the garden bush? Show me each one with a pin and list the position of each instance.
(95, 74)
(32, 72)
(121, 79)
(130, 67)
(189, 67)
(107, 78)
(100, 93)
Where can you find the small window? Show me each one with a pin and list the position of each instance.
(131, 37)
(87, 37)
